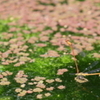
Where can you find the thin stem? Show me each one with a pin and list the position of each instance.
(75, 60)
(73, 53)
(87, 74)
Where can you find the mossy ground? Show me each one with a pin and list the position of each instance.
(48, 67)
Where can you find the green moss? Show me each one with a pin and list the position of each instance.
(48, 67)
(6, 98)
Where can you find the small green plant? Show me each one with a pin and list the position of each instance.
(80, 76)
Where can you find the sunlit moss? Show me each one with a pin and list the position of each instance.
(6, 98)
